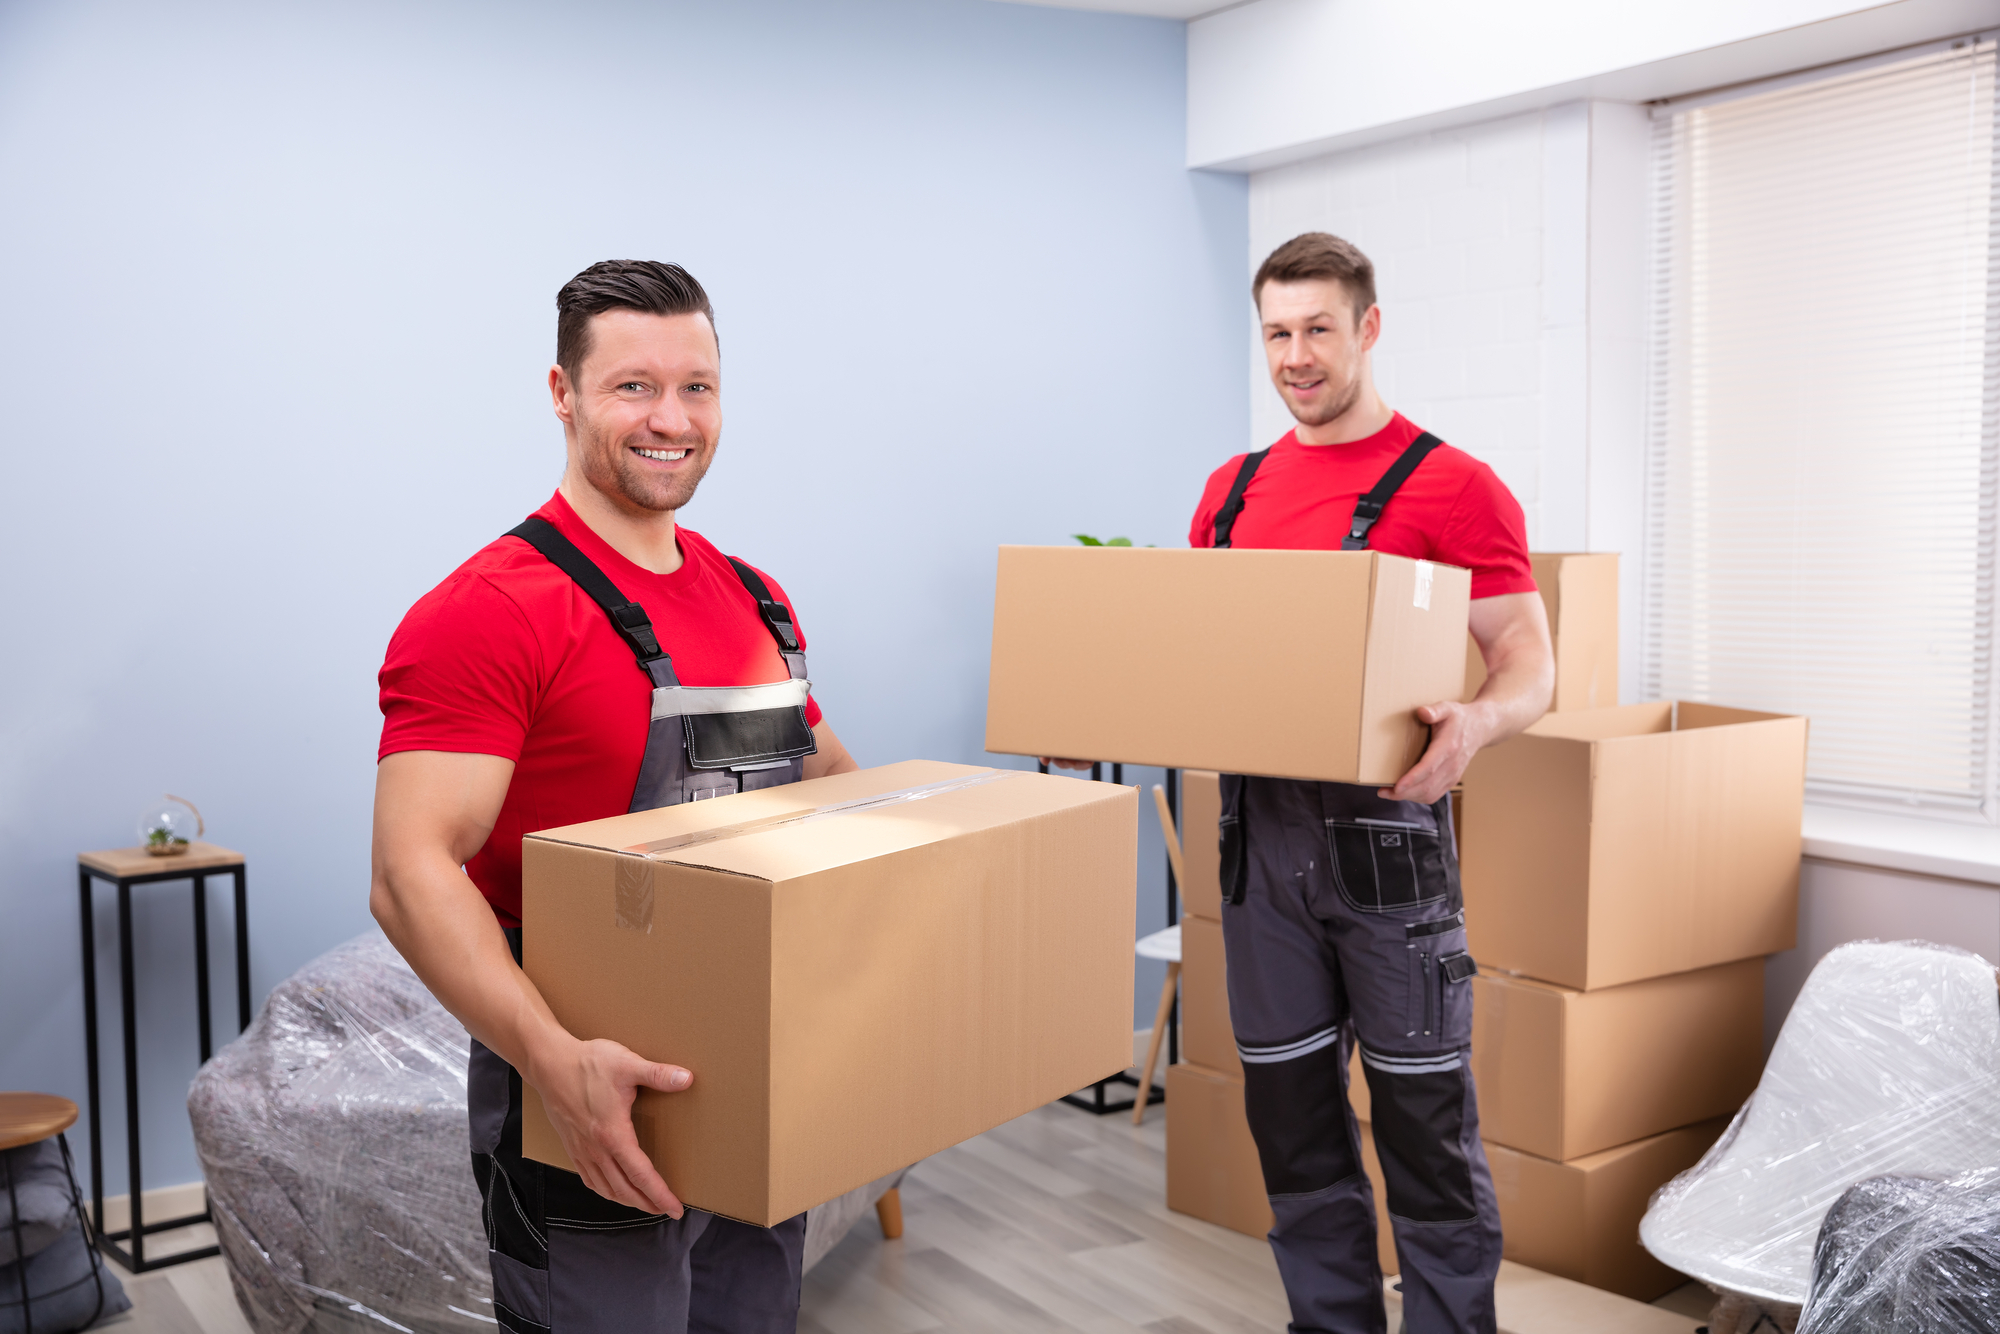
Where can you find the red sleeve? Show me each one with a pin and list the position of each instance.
(1487, 534)
(1201, 531)
(463, 673)
(813, 715)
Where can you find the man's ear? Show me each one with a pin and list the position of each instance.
(1371, 327)
(560, 394)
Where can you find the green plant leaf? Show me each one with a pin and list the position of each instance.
(1087, 539)
(1119, 542)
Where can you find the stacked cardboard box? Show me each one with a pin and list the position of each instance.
(1580, 592)
(1625, 870)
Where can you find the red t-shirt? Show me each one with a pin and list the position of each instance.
(509, 657)
(1452, 509)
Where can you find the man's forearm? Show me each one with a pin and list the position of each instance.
(1515, 694)
(441, 924)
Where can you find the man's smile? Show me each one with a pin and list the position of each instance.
(663, 455)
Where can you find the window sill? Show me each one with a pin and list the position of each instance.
(1900, 843)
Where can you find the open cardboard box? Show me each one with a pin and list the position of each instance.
(1611, 845)
(1580, 592)
(859, 970)
(1293, 664)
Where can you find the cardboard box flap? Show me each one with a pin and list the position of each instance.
(804, 840)
(1689, 715)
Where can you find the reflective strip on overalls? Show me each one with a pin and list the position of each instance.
(1342, 921)
(566, 1260)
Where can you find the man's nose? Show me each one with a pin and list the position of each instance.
(1297, 353)
(669, 418)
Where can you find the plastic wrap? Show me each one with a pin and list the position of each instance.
(1909, 1255)
(333, 1137)
(1889, 1063)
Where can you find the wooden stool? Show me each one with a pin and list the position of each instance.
(30, 1118)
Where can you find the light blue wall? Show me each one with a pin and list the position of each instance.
(276, 292)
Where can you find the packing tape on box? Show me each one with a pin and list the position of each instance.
(658, 848)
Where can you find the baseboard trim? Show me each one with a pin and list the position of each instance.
(162, 1202)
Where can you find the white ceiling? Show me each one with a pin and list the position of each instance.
(1159, 9)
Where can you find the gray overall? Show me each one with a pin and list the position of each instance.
(1342, 921)
(566, 1260)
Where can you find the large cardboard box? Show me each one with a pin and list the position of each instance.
(1212, 1168)
(1206, 1037)
(859, 970)
(1201, 843)
(1611, 845)
(1297, 664)
(1565, 1073)
(1580, 591)
(1580, 1220)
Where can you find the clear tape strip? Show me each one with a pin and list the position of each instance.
(659, 847)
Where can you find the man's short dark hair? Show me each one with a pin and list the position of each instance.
(621, 284)
(1319, 255)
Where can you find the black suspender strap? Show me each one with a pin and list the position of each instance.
(777, 616)
(1225, 518)
(1369, 508)
(628, 618)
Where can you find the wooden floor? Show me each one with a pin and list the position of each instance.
(1053, 1222)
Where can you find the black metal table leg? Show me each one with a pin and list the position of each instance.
(201, 965)
(83, 882)
(242, 950)
(1174, 910)
(128, 1004)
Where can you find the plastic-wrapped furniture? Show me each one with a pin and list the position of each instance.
(1909, 1255)
(333, 1138)
(1889, 1063)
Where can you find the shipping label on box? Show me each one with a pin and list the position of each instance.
(1564, 1073)
(1293, 664)
(859, 970)
(1580, 1220)
(1580, 593)
(1611, 845)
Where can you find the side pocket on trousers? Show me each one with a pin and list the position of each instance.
(1235, 860)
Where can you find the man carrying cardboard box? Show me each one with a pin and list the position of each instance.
(597, 659)
(1342, 917)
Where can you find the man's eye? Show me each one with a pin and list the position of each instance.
(632, 384)
(697, 389)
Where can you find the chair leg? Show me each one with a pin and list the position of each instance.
(889, 1211)
(1145, 1093)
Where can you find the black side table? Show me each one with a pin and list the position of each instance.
(126, 867)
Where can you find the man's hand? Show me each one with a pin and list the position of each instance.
(1457, 733)
(588, 1093)
(1512, 632)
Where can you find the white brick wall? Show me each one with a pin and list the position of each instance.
(1455, 224)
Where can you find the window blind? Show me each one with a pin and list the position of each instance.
(1822, 470)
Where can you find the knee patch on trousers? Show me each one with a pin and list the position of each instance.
(1419, 1122)
(1297, 1107)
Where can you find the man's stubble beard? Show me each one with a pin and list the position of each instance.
(1334, 410)
(615, 472)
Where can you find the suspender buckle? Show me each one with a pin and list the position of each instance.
(779, 618)
(633, 620)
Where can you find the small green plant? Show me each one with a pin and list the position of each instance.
(1090, 541)
(164, 838)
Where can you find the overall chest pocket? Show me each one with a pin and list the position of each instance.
(1386, 866)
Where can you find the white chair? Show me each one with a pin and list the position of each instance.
(1888, 1063)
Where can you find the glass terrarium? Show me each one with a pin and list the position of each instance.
(166, 830)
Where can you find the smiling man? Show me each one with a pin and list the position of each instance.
(1342, 918)
(597, 659)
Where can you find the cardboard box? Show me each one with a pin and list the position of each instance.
(1564, 1073)
(1206, 1037)
(1201, 845)
(1297, 664)
(1580, 591)
(860, 970)
(1611, 845)
(1212, 1168)
(1580, 1220)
